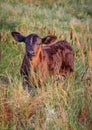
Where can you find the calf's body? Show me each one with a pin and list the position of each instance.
(51, 59)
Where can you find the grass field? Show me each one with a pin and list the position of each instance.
(66, 105)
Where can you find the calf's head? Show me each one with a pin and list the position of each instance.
(33, 42)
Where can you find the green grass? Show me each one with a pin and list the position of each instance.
(66, 105)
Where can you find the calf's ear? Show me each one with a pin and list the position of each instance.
(18, 37)
(49, 39)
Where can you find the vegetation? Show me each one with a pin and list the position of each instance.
(63, 105)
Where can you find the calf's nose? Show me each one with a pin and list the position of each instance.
(30, 53)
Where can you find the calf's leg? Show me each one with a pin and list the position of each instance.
(25, 71)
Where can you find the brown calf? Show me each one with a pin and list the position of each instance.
(56, 59)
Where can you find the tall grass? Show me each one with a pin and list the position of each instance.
(64, 105)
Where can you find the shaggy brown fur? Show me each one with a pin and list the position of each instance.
(57, 59)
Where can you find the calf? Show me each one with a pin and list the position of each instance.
(54, 59)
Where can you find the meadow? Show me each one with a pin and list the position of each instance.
(64, 105)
